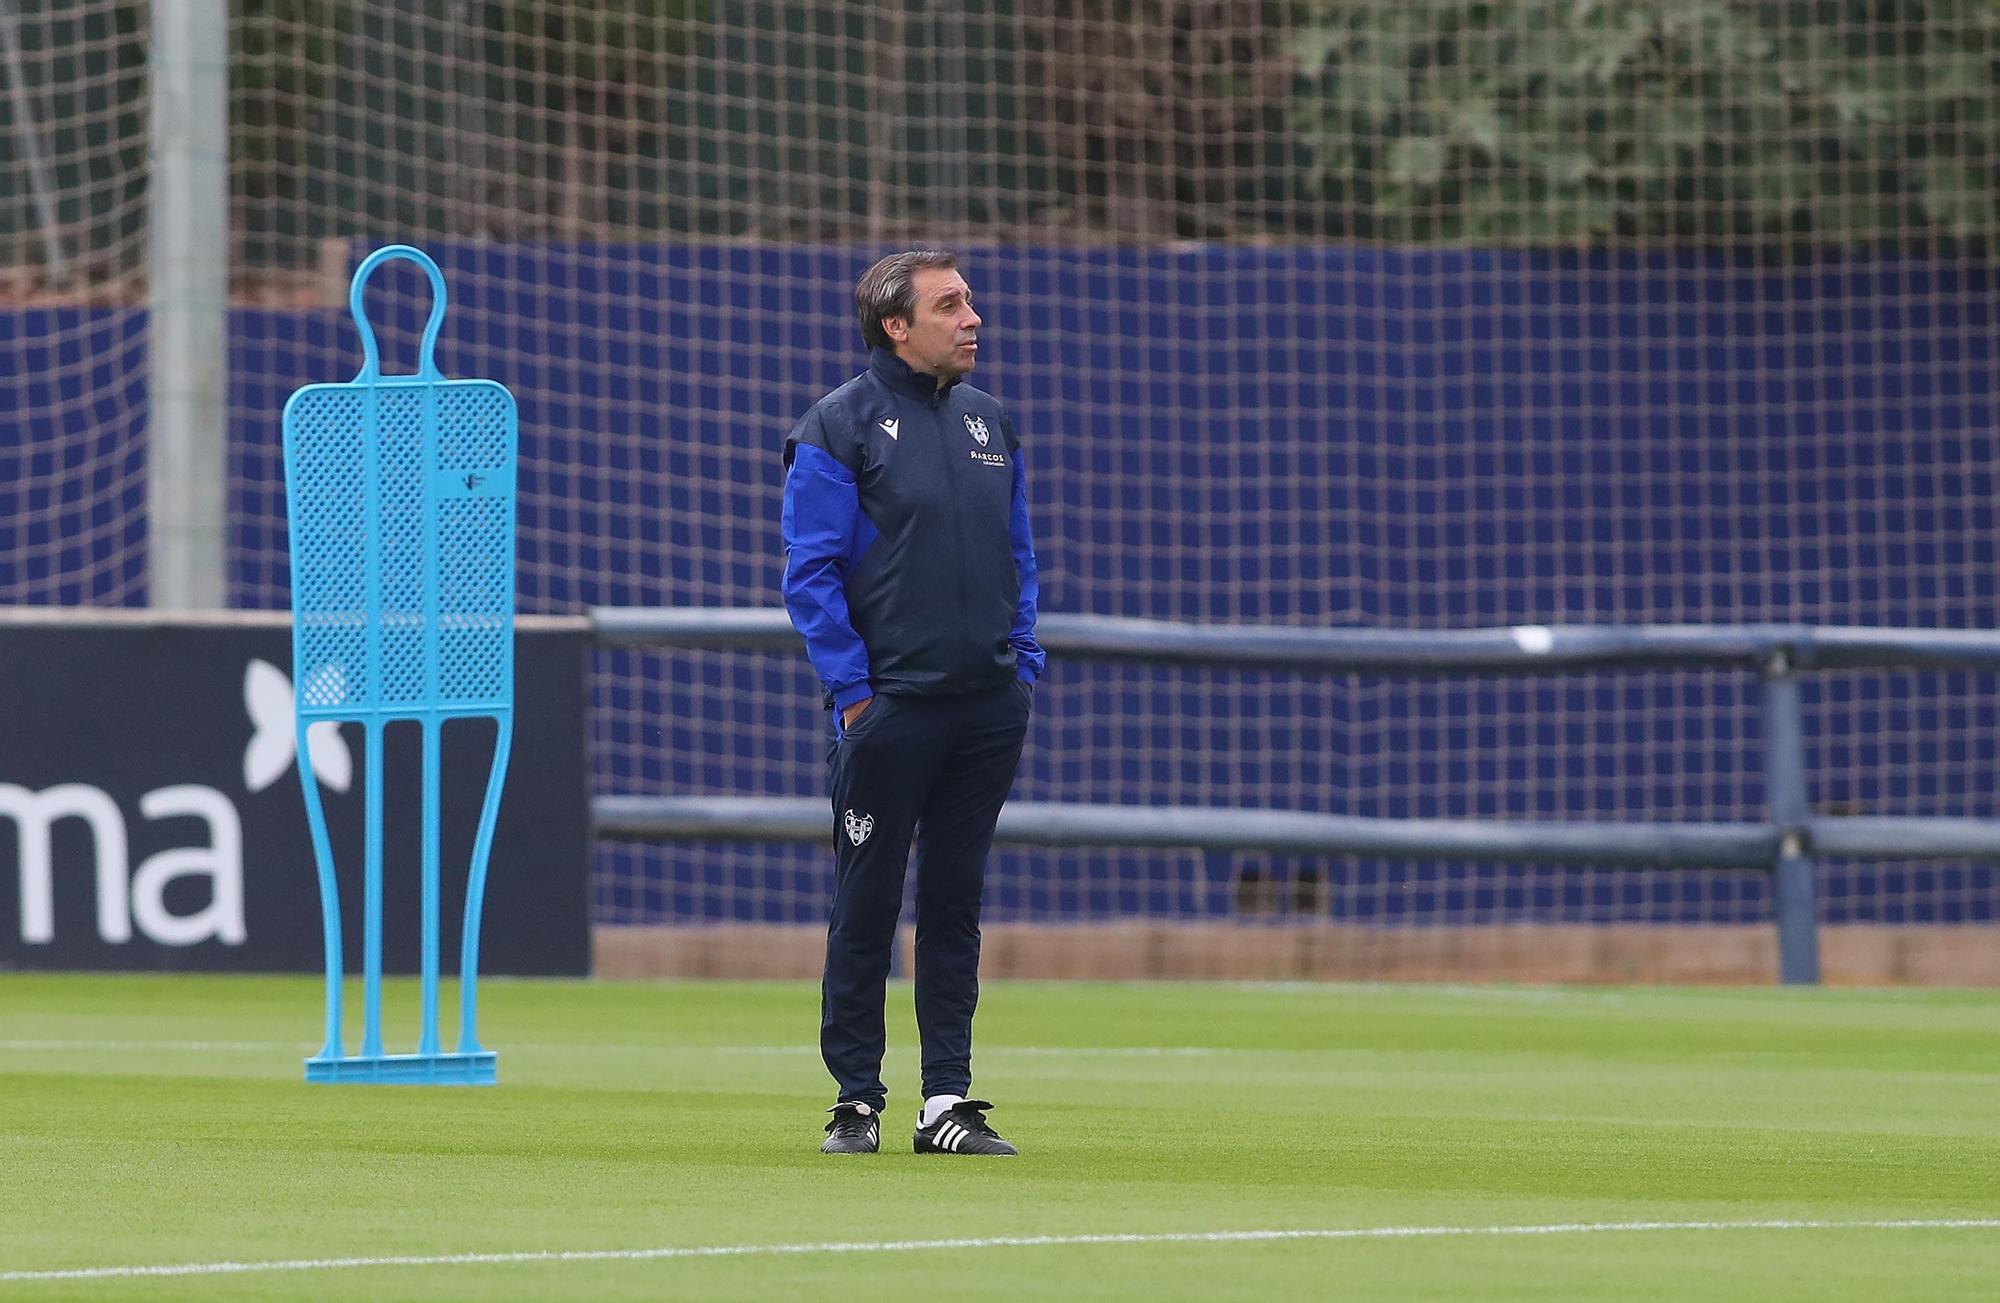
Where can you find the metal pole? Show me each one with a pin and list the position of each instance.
(886, 97)
(472, 122)
(948, 186)
(188, 303)
(31, 147)
(1785, 782)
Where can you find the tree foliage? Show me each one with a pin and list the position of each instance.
(1560, 121)
(282, 57)
(1531, 122)
(1155, 112)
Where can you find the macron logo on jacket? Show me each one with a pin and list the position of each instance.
(909, 566)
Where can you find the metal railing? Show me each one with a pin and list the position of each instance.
(1783, 846)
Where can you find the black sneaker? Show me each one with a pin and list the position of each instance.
(856, 1129)
(961, 1129)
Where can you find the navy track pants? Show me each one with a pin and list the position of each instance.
(936, 769)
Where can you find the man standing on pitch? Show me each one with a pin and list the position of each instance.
(910, 572)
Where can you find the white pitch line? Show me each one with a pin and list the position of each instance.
(288, 1047)
(120, 1046)
(1045, 1051)
(994, 1242)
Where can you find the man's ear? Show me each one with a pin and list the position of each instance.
(896, 328)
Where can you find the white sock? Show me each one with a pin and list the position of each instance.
(937, 1106)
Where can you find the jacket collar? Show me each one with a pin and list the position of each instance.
(896, 373)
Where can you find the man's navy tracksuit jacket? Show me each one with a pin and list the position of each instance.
(910, 572)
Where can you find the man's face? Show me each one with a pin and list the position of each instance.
(941, 338)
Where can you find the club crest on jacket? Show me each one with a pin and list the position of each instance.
(858, 826)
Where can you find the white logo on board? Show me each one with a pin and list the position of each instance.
(267, 695)
(132, 898)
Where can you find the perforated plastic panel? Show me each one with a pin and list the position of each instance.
(402, 518)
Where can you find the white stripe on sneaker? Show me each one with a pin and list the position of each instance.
(949, 1135)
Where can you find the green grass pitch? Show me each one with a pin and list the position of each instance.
(1683, 1144)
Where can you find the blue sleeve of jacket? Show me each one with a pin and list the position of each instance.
(1029, 657)
(822, 510)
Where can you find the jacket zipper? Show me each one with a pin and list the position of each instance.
(957, 515)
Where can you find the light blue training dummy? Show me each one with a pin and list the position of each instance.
(401, 502)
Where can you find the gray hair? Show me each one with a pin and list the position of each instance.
(888, 289)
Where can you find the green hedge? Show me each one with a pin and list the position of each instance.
(1559, 121)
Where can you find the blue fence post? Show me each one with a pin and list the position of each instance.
(1785, 783)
